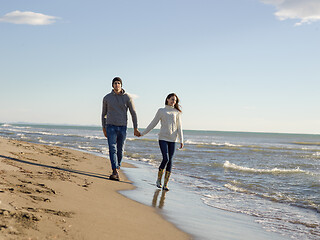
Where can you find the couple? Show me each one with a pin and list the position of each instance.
(114, 124)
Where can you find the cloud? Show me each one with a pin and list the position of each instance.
(30, 18)
(305, 11)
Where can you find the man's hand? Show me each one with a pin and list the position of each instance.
(181, 145)
(105, 132)
(137, 133)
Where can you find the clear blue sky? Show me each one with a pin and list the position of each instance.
(237, 65)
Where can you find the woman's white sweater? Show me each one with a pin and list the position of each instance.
(170, 119)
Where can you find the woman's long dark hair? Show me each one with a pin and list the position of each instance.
(176, 106)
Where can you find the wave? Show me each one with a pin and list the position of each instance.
(235, 188)
(6, 125)
(254, 148)
(307, 143)
(317, 154)
(277, 197)
(89, 148)
(49, 142)
(249, 147)
(235, 167)
(226, 144)
(23, 130)
(142, 139)
(20, 130)
(282, 219)
(141, 159)
(91, 137)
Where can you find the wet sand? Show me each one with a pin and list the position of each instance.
(188, 211)
(55, 193)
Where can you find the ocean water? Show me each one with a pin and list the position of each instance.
(273, 178)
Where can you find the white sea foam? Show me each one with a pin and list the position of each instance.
(225, 144)
(235, 188)
(89, 149)
(233, 166)
(22, 136)
(94, 137)
(49, 142)
(141, 159)
(46, 133)
(6, 125)
(22, 130)
(12, 127)
(130, 139)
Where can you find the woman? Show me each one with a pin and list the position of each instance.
(170, 131)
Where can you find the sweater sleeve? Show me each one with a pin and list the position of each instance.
(153, 123)
(133, 113)
(179, 127)
(104, 113)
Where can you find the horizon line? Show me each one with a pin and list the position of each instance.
(95, 125)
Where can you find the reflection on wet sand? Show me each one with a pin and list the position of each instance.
(155, 198)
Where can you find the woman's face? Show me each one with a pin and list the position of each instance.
(172, 101)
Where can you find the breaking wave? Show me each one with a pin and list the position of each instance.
(235, 167)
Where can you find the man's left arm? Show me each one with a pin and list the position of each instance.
(134, 117)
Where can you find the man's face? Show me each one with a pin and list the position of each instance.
(117, 86)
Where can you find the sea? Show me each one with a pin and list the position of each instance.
(272, 178)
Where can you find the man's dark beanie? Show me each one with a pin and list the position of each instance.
(116, 79)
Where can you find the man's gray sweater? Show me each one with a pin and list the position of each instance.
(115, 108)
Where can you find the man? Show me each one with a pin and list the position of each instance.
(114, 123)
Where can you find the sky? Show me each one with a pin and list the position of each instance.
(236, 65)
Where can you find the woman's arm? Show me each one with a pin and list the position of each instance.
(179, 127)
(153, 123)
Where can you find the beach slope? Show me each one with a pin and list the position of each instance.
(55, 193)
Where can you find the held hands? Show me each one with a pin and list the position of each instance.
(137, 133)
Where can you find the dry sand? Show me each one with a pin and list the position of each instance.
(55, 193)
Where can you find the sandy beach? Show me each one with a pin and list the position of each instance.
(55, 193)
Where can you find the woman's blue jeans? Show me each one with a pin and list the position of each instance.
(167, 150)
(116, 140)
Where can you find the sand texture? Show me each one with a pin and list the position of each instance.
(55, 193)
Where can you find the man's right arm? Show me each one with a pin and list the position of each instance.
(103, 117)
(105, 132)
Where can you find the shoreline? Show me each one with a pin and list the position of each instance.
(201, 170)
(45, 192)
(49, 192)
(189, 213)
